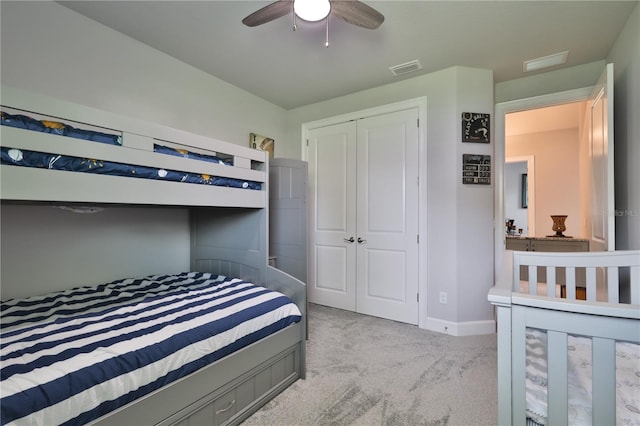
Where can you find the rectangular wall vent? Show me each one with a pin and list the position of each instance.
(406, 68)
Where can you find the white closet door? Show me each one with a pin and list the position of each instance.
(332, 203)
(387, 216)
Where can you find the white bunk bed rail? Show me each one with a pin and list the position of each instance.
(137, 148)
(605, 325)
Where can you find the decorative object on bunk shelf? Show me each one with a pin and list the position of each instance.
(262, 143)
(476, 127)
(558, 225)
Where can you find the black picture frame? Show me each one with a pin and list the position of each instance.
(523, 190)
(476, 127)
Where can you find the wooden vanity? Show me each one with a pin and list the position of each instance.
(546, 244)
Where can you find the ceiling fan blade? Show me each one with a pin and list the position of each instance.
(268, 13)
(357, 13)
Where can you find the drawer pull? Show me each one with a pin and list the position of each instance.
(227, 408)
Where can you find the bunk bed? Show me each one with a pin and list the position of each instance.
(563, 360)
(222, 377)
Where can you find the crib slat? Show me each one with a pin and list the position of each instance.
(612, 284)
(551, 281)
(518, 365)
(604, 381)
(533, 279)
(591, 284)
(557, 360)
(571, 283)
(516, 273)
(635, 285)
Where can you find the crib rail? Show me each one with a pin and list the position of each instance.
(607, 269)
(605, 323)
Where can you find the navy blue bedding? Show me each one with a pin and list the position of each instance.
(17, 157)
(26, 158)
(75, 355)
(192, 155)
(21, 121)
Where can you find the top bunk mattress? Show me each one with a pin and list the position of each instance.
(62, 152)
(75, 355)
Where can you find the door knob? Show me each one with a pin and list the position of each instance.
(360, 240)
(349, 240)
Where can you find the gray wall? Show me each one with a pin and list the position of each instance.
(49, 49)
(625, 55)
(459, 217)
(626, 58)
(46, 249)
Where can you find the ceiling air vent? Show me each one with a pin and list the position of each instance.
(545, 61)
(406, 68)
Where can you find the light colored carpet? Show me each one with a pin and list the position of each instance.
(363, 370)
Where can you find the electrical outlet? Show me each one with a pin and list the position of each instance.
(443, 297)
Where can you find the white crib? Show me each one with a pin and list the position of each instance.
(590, 348)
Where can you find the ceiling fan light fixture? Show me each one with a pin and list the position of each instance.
(312, 10)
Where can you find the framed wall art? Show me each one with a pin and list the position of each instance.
(262, 143)
(476, 127)
(476, 169)
(523, 191)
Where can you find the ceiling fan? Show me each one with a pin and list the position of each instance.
(351, 11)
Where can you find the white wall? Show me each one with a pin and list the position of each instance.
(46, 249)
(625, 55)
(52, 50)
(626, 58)
(49, 49)
(459, 217)
(557, 177)
(543, 83)
(102, 68)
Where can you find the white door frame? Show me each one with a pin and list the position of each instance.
(421, 104)
(501, 110)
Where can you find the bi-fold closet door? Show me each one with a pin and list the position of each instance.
(363, 177)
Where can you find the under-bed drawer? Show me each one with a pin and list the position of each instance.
(238, 399)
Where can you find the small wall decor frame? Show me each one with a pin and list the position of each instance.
(476, 169)
(262, 143)
(523, 190)
(476, 127)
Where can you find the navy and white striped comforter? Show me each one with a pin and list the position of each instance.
(75, 355)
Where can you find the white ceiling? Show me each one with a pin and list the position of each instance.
(291, 69)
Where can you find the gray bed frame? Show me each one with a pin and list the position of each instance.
(231, 389)
(232, 242)
(228, 235)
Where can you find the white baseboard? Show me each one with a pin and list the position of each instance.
(467, 328)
